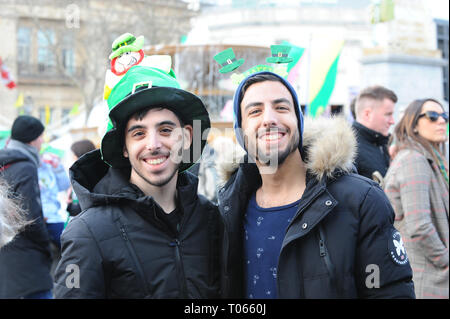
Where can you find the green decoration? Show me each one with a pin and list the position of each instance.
(280, 54)
(126, 43)
(228, 61)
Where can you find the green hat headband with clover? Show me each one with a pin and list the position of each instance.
(228, 61)
(279, 56)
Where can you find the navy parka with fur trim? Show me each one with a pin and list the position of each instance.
(342, 236)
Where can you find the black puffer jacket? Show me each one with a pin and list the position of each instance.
(372, 152)
(341, 237)
(25, 261)
(121, 249)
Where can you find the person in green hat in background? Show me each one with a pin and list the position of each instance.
(144, 232)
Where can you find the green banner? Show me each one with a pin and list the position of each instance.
(320, 102)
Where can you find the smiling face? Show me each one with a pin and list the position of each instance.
(269, 122)
(154, 144)
(434, 132)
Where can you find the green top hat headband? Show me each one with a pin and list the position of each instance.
(126, 43)
(228, 61)
(280, 54)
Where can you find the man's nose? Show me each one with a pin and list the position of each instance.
(153, 142)
(269, 117)
(391, 120)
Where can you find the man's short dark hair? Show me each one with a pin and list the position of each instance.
(375, 92)
(256, 79)
(378, 92)
(139, 115)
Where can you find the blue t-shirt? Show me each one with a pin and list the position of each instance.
(265, 229)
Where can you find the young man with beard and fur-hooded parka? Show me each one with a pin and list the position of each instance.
(307, 227)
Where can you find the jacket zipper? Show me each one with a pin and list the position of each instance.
(140, 271)
(323, 252)
(180, 269)
(178, 260)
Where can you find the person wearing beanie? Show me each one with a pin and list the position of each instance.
(26, 129)
(299, 222)
(26, 260)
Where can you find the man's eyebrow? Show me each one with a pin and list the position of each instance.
(252, 104)
(136, 127)
(274, 102)
(167, 122)
(281, 100)
(140, 126)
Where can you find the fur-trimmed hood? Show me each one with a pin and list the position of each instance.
(330, 146)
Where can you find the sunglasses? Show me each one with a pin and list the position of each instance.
(434, 116)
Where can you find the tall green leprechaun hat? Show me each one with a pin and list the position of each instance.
(143, 87)
(126, 43)
(280, 54)
(227, 60)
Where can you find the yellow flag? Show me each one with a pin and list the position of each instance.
(19, 101)
(321, 64)
(47, 114)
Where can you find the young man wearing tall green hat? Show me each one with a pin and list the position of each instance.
(144, 232)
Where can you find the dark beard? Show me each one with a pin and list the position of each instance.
(159, 183)
(278, 158)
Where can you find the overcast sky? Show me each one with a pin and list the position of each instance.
(439, 8)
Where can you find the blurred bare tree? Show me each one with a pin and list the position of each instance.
(89, 27)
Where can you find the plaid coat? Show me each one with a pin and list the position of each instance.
(419, 196)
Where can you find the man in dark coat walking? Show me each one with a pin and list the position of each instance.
(298, 222)
(143, 232)
(374, 108)
(25, 262)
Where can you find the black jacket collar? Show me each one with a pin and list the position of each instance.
(247, 179)
(370, 135)
(96, 184)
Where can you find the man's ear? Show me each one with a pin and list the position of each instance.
(367, 113)
(187, 136)
(125, 152)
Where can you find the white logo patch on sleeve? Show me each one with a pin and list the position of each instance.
(397, 249)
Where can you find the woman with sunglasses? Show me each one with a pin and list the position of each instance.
(417, 186)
